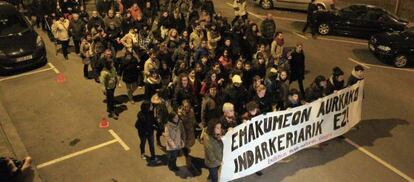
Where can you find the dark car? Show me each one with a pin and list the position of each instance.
(20, 46)
(395, 47)
(358, 20)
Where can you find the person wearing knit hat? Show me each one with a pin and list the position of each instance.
(336, 81)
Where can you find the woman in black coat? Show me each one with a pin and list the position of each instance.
(130, 72)
(145, 125)
(297, 67)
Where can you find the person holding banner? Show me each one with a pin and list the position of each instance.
(294, 99)
(229, 119)
(357, 74)
(252, 110)
(336, 81)
(317, 89)
(213, 149)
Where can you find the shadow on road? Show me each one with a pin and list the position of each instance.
(369, 131)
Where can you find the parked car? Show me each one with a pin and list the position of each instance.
(395, 47)
(295, 4)
(20, 46)
(358, 20)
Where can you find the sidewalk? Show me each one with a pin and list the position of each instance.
(11, 144)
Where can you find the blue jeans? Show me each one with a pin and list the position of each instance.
(172, 159)
(213, 174)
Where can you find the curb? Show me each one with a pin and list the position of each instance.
(15, 144)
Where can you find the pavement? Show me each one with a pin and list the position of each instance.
(58, 122)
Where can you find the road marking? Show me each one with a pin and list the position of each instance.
(54, 161)
(389, 67)
(54, 68)
(60, 159)
(25, 74)
(123, 144)
(302, 36)
(343, 41)
(357, 62)
(389, 166)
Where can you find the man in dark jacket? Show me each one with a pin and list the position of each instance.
(297, 67)
(235, 93)
(268, 29)
(357, 74)
(312, 8)
(77, 29)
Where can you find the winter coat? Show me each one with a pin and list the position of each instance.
(297, 66)
(315, 92)
(150, 65)
(210, 108)
(268, 28)
(77, 29)
(115, 20)
(129, 70)
(174, 134)
(151, 87)
(145, 123)
(265, 103)
(188, 120)
(61, 30)
(333, 85)
(234, 95)
(181, 94)
(108, 78)
(225, 124)
(213, 151)
(353, 78)
(161, 114)
(196, 38)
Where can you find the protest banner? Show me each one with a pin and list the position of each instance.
(270, 137)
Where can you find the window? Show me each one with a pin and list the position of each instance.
(12, 24)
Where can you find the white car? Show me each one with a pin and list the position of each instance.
(295, 4)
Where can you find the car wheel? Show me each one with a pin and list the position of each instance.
(266, 4)
(324, 29)
(400, 61)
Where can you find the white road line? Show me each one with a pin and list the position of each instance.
(76, 153)
(389, 166)
(389, 67)
(54, 68)
(123, 144)
(25, 74)
(357, 62)
(302, 36)
(343, 41)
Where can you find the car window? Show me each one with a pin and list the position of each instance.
(12, 24)
(352, 12)
(371, 15)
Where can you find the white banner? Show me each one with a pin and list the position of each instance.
(268, 138)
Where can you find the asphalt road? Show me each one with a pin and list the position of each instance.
(56, 119)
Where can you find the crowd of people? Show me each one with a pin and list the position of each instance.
(202, 74)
